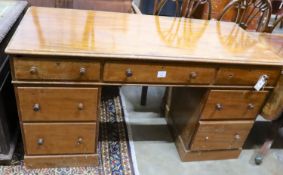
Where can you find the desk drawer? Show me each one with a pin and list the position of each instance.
(244, 76)
(60, 138)
(58, 103)
(155, 73)
(51, 69)
(221, 135)
(233, 104)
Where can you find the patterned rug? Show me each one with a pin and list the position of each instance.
(113, 145)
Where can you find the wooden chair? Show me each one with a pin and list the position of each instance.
(270, 28)
(135, 9)
(277, 9)
(159, 4)
(249, 11)
(189, 7)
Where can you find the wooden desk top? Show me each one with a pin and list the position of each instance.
(66, 32)
(274, 41)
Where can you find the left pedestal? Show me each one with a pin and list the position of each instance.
(58, 113)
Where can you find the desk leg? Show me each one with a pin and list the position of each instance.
(144, 95)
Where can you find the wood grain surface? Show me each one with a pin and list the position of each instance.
(58, 103)
(60, 138)
(56, 69)
(51, 161)
(273, 40)
(185, 109)
(220, 135)
(234, 104)
(246, 75)
(158, 73)
(188, 156)
(141, 37)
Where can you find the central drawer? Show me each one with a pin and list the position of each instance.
(58, 103)
(155, 73)
(52, 69)
(59, 138)
(219, 135)
(233, 104)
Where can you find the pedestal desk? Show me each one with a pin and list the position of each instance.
(62, 58)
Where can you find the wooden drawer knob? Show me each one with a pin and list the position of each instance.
(129, 73)
(80, 106)
(82, 71)
(193, 75)
(219, 106)
(80, 140)
(237, 136)
(250, 106)
(33, 70)
(40, 141)
(36, 107)
(230, 76)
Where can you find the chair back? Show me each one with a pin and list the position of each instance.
(271, 28)
(249, 13)
(159, 4)
(189, 7)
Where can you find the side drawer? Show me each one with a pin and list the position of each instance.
(59, 138)
(57, 103)
(155, 73)
(221, 135)
(52, 69)
(245, 76)
(233, 104)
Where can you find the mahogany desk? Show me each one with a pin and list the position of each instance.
(62, 58)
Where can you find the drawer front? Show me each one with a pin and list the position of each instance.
(134, 73)
(248, 77)
(40, 69)
(233, 104)
(59, 138)
(58, 103)
(221, 135)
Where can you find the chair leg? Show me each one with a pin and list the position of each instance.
(144, 95)
(263, 151)
(273, 132)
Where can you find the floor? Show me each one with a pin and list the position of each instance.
(277, 29)
(155, 151)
